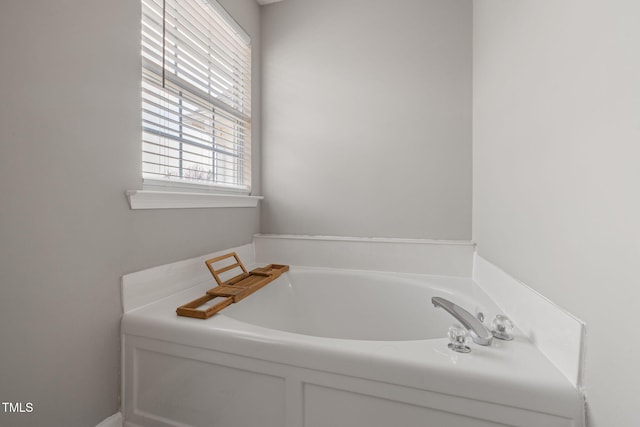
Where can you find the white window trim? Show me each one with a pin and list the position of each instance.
(148, 199)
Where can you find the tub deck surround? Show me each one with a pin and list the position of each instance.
(146, 286)
(422, 256)
(262, 362)
(555, 332)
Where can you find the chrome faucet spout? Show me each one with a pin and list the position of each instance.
(479, 333)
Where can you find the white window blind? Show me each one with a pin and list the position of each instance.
(196, 95)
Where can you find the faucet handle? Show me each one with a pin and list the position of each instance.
(502, 327)
(459, 338)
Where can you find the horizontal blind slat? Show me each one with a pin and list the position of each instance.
(183, 59)
(176, 85)
(152, 61)
(155, 81)
(227, 129)
(148, 145)
(203, 163)
(210, 43)
(174, 134)
(207, 20)
(234, 59)
(224, 137)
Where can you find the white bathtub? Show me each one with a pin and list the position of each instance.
(332, 348)
(353, 305)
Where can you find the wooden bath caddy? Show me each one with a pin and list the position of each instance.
(231, 290)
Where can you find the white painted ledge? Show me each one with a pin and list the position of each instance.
(419, 256)
(146, 199)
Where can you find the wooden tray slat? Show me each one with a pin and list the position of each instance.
(217, 271)
(190, 309)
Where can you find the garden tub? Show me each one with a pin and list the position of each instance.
(334, 347)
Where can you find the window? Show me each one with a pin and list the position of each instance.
(196, 96)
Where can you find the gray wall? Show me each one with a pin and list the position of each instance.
(557, 175)
(367, 118)
(69, 148)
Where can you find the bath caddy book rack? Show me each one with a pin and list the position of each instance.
(232, 290)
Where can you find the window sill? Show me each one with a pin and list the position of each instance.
(145, 199)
